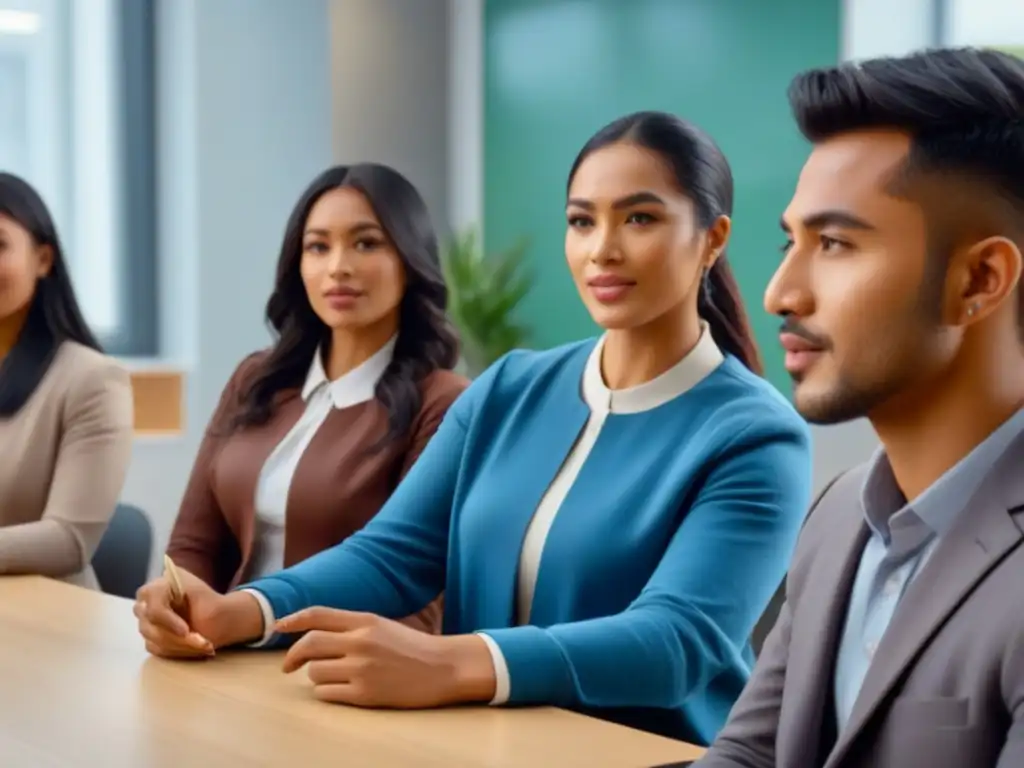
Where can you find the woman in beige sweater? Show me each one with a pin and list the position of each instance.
(65, 408)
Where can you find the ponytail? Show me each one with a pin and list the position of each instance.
(720, 304)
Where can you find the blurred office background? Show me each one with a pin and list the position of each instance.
(171, 138)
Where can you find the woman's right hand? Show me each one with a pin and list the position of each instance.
(202, 622)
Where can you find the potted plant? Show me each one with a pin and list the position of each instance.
(484, 291)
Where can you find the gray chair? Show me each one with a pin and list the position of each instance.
(768, 619)
(122, 559)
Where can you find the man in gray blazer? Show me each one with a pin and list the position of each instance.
(901, 641)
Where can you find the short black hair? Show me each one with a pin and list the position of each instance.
(963, 109)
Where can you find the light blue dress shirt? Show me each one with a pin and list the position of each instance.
(903, 536)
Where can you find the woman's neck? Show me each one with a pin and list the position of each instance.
(348, 350)
(634, 356)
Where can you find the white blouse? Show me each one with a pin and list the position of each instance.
(321, 395)
(699, 363)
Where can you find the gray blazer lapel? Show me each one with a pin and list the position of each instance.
(976, 544)
(820, 614)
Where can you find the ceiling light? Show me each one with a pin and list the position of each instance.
(19, 22)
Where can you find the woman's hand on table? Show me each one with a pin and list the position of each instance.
(202, 622)
(365, 660)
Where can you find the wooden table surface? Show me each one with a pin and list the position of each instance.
(78, 689)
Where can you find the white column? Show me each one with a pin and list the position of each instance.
(985, 22)
(95, 246)
(886, 27)
(466, 114)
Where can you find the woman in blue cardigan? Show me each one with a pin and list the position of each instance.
(607, 519)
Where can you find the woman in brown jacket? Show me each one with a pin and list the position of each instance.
(311, 436)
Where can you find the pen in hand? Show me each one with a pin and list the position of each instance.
(171, 574)
(178, 601)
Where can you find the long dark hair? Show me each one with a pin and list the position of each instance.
(426, 339)
(53, 315)
(703, 174)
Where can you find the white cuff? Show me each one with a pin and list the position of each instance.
(503, 684)
(268, 618)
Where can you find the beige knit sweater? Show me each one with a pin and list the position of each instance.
(63, 460)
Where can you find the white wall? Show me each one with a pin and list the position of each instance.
(389, 62)
(886, 27)
(244, 124)
(257, 97)
(250, 112)
(985, 22)
(466, 114)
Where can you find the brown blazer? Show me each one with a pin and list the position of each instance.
(63, 459)
(337, 487)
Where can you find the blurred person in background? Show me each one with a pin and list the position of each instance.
(66, 412)
(608, 519)
(312, 436)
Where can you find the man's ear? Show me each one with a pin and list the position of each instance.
(983, 276)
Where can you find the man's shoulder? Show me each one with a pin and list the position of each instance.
(838, 494)
(831, 525)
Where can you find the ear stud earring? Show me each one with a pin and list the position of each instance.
(972, 310)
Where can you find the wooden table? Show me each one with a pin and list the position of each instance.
(78, 689)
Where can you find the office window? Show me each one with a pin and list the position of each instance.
(988, 23)
(77, 86)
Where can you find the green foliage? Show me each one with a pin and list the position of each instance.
(1013, 50)
(484, 291)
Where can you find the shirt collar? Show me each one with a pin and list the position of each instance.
(356, 386)
(704, 358)
(940, 505)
